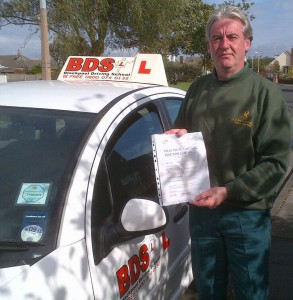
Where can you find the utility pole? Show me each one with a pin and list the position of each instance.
(257, 61)
(46, 65)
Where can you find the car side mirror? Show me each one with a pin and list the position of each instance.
(141, 215)
(138, 217)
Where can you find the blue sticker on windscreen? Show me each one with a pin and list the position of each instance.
(33, 194)
(33, 226)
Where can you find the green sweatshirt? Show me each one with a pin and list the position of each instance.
(246, 128)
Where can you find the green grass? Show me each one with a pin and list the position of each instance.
(181, 85)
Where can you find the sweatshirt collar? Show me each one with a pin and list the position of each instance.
(240, 74)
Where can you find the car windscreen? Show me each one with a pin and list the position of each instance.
(38, 153)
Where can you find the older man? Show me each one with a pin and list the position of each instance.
(246, 128)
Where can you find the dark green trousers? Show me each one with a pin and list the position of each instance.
(229, 240)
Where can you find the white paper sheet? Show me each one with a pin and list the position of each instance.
(181, 167)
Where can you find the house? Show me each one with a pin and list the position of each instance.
(18, 63)
(285, 61)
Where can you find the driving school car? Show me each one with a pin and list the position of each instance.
(80, 215)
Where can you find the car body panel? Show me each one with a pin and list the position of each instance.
(81, 264)
(64, 274)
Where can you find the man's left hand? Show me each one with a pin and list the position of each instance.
(211, 198)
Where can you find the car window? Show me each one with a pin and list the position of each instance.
(38, 151)
(172, 106)
(126, 171)
(130, 161)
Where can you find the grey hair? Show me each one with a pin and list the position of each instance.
(230, 12)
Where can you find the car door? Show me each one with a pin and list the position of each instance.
(151, 265)
(178, 227)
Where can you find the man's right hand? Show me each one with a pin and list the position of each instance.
(178, 132)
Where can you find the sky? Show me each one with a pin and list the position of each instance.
(272, 31)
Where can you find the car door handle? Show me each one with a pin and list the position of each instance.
(181, 213)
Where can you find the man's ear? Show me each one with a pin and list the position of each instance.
(247, 45)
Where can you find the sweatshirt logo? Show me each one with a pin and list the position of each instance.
(244, 120)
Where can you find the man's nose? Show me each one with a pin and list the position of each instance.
(225, 42)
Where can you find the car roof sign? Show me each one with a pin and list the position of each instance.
(143, 68)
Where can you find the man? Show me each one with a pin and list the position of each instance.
(246, 129)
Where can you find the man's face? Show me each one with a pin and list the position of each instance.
(227, 46)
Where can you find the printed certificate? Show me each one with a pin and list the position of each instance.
(181, 167)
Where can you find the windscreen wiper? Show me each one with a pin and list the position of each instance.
(15, 245)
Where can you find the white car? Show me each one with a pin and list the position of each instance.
(80, 216)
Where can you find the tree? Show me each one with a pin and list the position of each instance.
(147, 27)
(276, 67)
(191, 37)
(265, 61)
(89, 27)
(64, 46)
(263, 64)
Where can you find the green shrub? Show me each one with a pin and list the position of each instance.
(37, 69)
(185, 72)
(289, 75)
